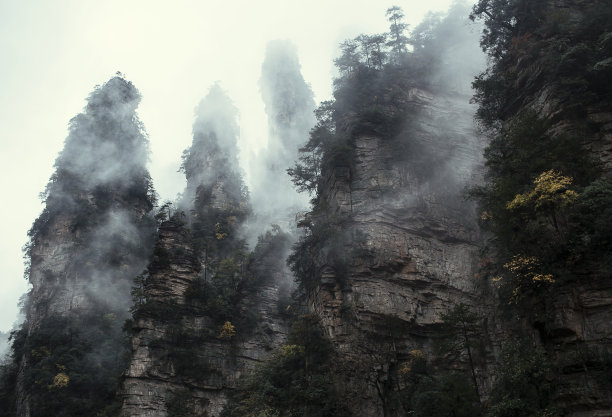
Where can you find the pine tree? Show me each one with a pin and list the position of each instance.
(397, 32)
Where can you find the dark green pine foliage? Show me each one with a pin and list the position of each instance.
(377, 72)
(546, 197)
(296, 381)
(533, 48)
(216, 205)
(376, 77)
(461, 332)
(523, 385)
(98, 198)
(551, 44)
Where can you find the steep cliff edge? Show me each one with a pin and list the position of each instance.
(411, 299)
(183, 361)
(546, 100)
(90, 239)
(206, 310)
(414, 249)
(390, 248)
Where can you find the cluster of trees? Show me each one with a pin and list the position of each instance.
(374, 51)
(210, 216)
(446, 383)
(376, 74)
(222, 296)
(74, 366)
(546, 199)
(529, 45)
(295, 381)
(545, 190)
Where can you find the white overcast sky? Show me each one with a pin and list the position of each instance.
(53, 53)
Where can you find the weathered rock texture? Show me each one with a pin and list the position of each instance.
(574, 322)
(93, 235)
(413, 248)
(184, 362)
(178, 360)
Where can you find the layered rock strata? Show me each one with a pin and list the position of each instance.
(413, 246)
(179, 360)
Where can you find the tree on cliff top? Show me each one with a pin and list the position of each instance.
(397, 32)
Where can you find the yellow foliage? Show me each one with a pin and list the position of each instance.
(61, 380)
(520, 200)
(218, 233)
(291, 350)
(231, 219)
(406, 366)
(551, 188)
(416, 354)
(41, 352)
(543, 278)
(228, 330)
(525, 270)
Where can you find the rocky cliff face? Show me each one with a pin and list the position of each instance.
(575, 324)
(558, 69)
(414, 249)
(405, 249)
(208, 311)
(92, 236)
(181, 363)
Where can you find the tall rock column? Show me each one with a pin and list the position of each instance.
(289, 107)
(207, 312)
(91, 239)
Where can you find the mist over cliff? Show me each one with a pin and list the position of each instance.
(211, 163)
(431, 241)
(93, 236)
(289, 107)
(4, 344)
